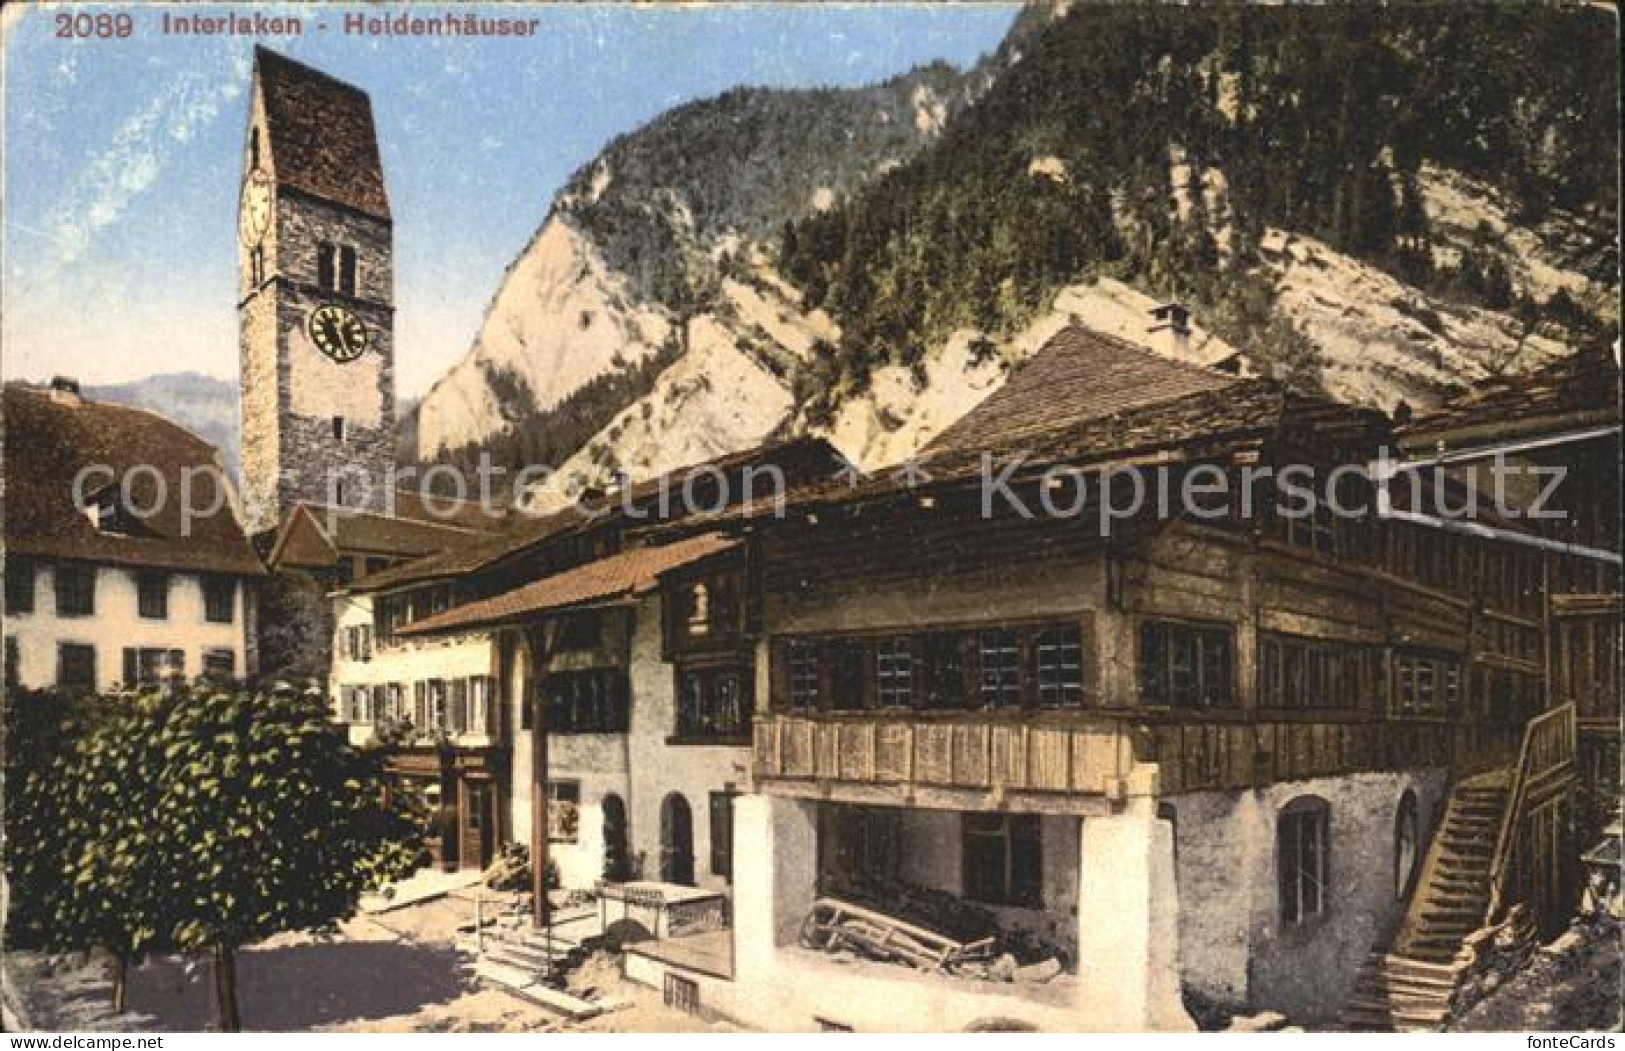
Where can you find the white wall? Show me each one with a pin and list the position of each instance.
(1233, 946)
(405, 662)
(638, 766)
(117, 623)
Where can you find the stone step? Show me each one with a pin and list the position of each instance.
(536, 958)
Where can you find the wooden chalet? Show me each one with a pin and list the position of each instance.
(1227, 753)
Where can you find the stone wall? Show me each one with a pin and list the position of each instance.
(291, 392)
(1233, 946)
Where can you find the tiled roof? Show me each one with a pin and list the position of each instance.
(1214, 425)
(49, 440)
(798, 458)
(1080, 374)
(477, 552)
(625, 575)
(1581, 388)
(322, 137)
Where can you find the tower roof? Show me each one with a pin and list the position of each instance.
(322, 137)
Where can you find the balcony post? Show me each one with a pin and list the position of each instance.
(1128, 922)
(775, 879)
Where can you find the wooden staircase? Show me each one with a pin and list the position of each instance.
(1410, 984)
(1477, 867)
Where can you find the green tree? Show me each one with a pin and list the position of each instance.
(277, 822)
(79, 846)
(191, 820)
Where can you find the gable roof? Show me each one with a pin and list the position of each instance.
(799, 460)
(323, 141)
(1233, 423)
(629, 574)
(49, 440)
(1080, 374)
(314, 536)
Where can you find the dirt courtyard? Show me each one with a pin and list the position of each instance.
(391, 972)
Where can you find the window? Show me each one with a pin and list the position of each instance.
(804, 676)
(325, 262)
(219, 599)
(1003, 859)
(437, 704)
(591, 700)
(1301, 835)
(458, 708)
(1426, 683)
(1185, 666)
(1406, 845)
(1058, 655)
(1001, 669)
(75, 666)
(75, 591)
(347, 283)
(19, 585)
(256, 266)
(1039, 665)
(357, 701)
(479, 698)
(152, 595)
(148, 666)
(722, 833)
(219, 665)
(713, 702)
(563, 811)
(11, 676)
(699, 610)
(338, 428)
(894, 673)
(1299, 673)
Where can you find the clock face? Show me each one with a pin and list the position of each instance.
(338, 333)
(254, 215)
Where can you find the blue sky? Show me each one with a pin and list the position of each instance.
(121, 159)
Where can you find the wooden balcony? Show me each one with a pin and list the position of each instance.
(1075, 763)
(965, 757)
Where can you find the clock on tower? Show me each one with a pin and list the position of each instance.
(315, 297)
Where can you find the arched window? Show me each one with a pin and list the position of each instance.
(1407, 845)
(1302, 837)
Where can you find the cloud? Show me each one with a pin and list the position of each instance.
(135, 158)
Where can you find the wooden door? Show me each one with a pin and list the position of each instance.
(676, 841)
(477, 839)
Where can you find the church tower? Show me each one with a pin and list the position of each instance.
(315, 300)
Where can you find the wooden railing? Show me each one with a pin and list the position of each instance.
(965, 752)
(1545, 768)
(1093, 752)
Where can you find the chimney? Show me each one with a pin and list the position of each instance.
(65, 390)
(1170, 330)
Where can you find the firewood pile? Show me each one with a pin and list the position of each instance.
(834, 925)
(928, 930)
